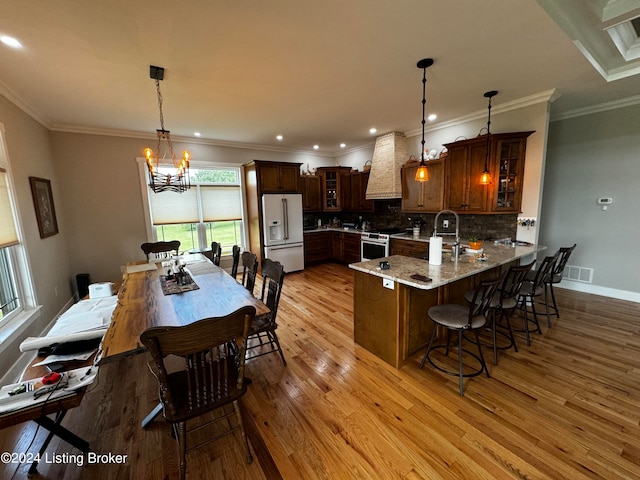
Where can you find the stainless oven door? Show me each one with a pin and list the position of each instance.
(371, 250)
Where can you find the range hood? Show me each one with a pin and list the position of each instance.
(389, 154)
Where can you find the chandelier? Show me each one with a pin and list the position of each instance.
(422, 174)
(176, 180)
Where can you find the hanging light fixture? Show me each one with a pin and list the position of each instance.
(177, 180)
(485, 178)
(422, 174)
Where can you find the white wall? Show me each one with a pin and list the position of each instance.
(589, 157)
(29, 149)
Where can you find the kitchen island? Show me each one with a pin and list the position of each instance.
(390, 306)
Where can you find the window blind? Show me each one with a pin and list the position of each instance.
(220, 203)
(217, 203)
(8, 233)
(173, 207)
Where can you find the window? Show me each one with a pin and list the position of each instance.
(211, 210)
(13, 281)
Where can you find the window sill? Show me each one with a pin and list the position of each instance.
(17, 325)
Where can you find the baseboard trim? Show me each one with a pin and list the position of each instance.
(598, 290)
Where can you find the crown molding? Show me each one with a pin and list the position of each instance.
(601, 107)
(546, 96)
(19, 102)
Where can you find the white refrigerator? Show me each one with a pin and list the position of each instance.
(283, 237)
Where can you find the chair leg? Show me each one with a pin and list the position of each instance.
(553, 298)
(460, 362)
(182, 446)
(535, 315)
(526, 320)
(511, 335)
(483, 364)
(546, 303)
(236, 407)
(274, 339)
(426, 354)
(495, 340)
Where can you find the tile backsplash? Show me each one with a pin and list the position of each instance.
(388, 215)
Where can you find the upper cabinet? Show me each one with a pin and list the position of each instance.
(331, 187)
(465, 163)
(423, 196)
(508, 174)
(354, 192)
(311, 193)
(277, 177)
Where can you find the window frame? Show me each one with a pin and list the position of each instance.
(201, 226)
(18, 260)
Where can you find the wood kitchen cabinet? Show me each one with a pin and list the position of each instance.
(317, 247)
(311, 186)
(409, 248)
(508, 173)
(345, 247)
(427, 196)
(465, 163)
(331, 187)
(277, 177)
(353, 186)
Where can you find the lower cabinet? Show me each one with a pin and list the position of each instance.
(343, 247)
(409, 248)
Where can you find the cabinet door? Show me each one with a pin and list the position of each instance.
(311, 193)
(476, 193)
(337, 252)
(317, 247)
(351, 247)
(269, 175)
(456, 179)
(359, 200)
(508, 173)
(409, 248)
(289, 176)
(423, 196)
(347, 197)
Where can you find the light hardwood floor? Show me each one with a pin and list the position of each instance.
(566, 407)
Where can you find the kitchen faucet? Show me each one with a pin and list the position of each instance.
(456, 244)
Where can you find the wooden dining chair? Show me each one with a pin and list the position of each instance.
(263, 338)
(249, 270)
(215, 253)
(207, 376)
(235, 255)
(161, 249)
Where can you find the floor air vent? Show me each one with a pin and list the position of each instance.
(578, 274)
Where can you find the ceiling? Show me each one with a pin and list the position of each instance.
(324, 72)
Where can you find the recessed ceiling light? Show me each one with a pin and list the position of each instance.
(342, 145)
(279, 137)
(432, 117)
(316, 147)
(372, 130)
(10, 41)
(196, 134)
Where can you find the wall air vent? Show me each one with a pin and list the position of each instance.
(578, 274)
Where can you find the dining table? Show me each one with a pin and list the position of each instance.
(142, 302)
(150, 297)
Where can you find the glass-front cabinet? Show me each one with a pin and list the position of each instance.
(508, 174)
(331, 188)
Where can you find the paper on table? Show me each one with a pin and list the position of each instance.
(82, 356)
(34, 343)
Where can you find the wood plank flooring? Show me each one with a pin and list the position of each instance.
(566, 407)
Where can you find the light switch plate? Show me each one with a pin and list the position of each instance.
(386, 283)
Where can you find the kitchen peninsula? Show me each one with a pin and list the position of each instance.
(390, 306)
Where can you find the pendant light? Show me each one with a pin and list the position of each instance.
(422, 175)
(485, 178)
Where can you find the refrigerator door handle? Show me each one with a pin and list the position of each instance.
(285, 214)
(284, 247)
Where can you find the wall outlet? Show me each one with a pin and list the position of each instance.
(386, 283)
(445, 224)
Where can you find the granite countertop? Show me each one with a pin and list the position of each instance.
(402, 268)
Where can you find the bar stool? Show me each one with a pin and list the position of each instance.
(461, 318)
(556, 276)
(532, 289)
(505, 301)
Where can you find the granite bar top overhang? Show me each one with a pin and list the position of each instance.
(402, 268)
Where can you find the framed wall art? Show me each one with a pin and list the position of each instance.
(43, 203)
